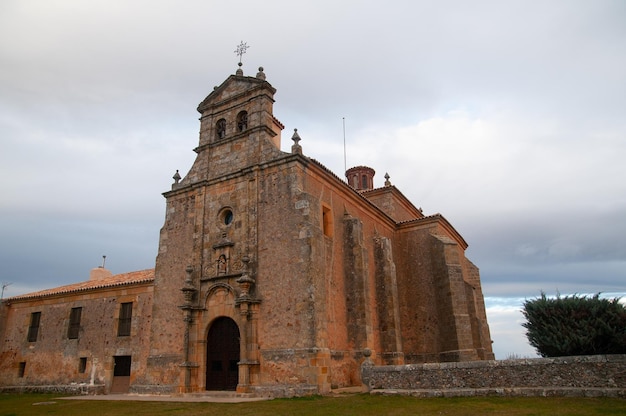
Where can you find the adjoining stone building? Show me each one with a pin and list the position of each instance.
(89, 333)
(273, 276)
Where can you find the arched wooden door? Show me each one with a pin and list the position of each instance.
(222, 355)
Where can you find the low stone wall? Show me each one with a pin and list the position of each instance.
(166, 389)
(601, 375)
(65, 389)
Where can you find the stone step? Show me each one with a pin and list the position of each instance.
(349, 390)
(222, 394)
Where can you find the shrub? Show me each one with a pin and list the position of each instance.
(575, 325)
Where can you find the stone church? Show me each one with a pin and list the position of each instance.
(273, 277)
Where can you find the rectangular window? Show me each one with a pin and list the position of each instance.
(327, 221)
(22, 369)
(126, 315)
(33, 329)
(74, 325)
(82, 365)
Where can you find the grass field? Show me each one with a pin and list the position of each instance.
(361, 405)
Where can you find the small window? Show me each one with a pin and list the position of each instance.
(242, 121)
(364, 182)
(126, 316)
(21, 369)
(82, 365)
(226, 216)
(33, 329)
(220, 128)
(327, 221)
(74, 325)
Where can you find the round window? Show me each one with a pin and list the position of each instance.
(227, 216)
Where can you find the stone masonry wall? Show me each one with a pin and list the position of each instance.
(53, 358)
(600, 375)
(76, 389)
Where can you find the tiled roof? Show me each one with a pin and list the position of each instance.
(321, 165)
(423, 219)
(123, 279)
(441, 220)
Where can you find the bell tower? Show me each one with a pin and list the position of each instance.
(237, 106)
(208, 244)
(237, 127)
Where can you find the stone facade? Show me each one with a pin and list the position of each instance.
(274, 275)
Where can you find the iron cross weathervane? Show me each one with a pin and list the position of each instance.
(241, 49)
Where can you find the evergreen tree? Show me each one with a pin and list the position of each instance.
(575, 325)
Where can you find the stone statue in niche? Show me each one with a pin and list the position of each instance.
(222, 265)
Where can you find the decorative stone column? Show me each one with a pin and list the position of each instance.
(245, 282)
(245, 302)
(189, 293)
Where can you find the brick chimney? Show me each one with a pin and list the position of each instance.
(99, 273)
(361, 178)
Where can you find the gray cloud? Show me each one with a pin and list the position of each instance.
(506, 117)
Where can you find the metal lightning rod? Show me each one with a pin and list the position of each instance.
(345, 165)
(4, 286)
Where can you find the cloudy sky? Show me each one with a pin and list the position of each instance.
(508, 117)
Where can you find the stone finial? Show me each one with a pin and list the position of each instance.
(261, 74)
(367, 353)
(245, 281)
(176, 177)
(296, 137)
(296, 148)
(387, 183)
(239, 71)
